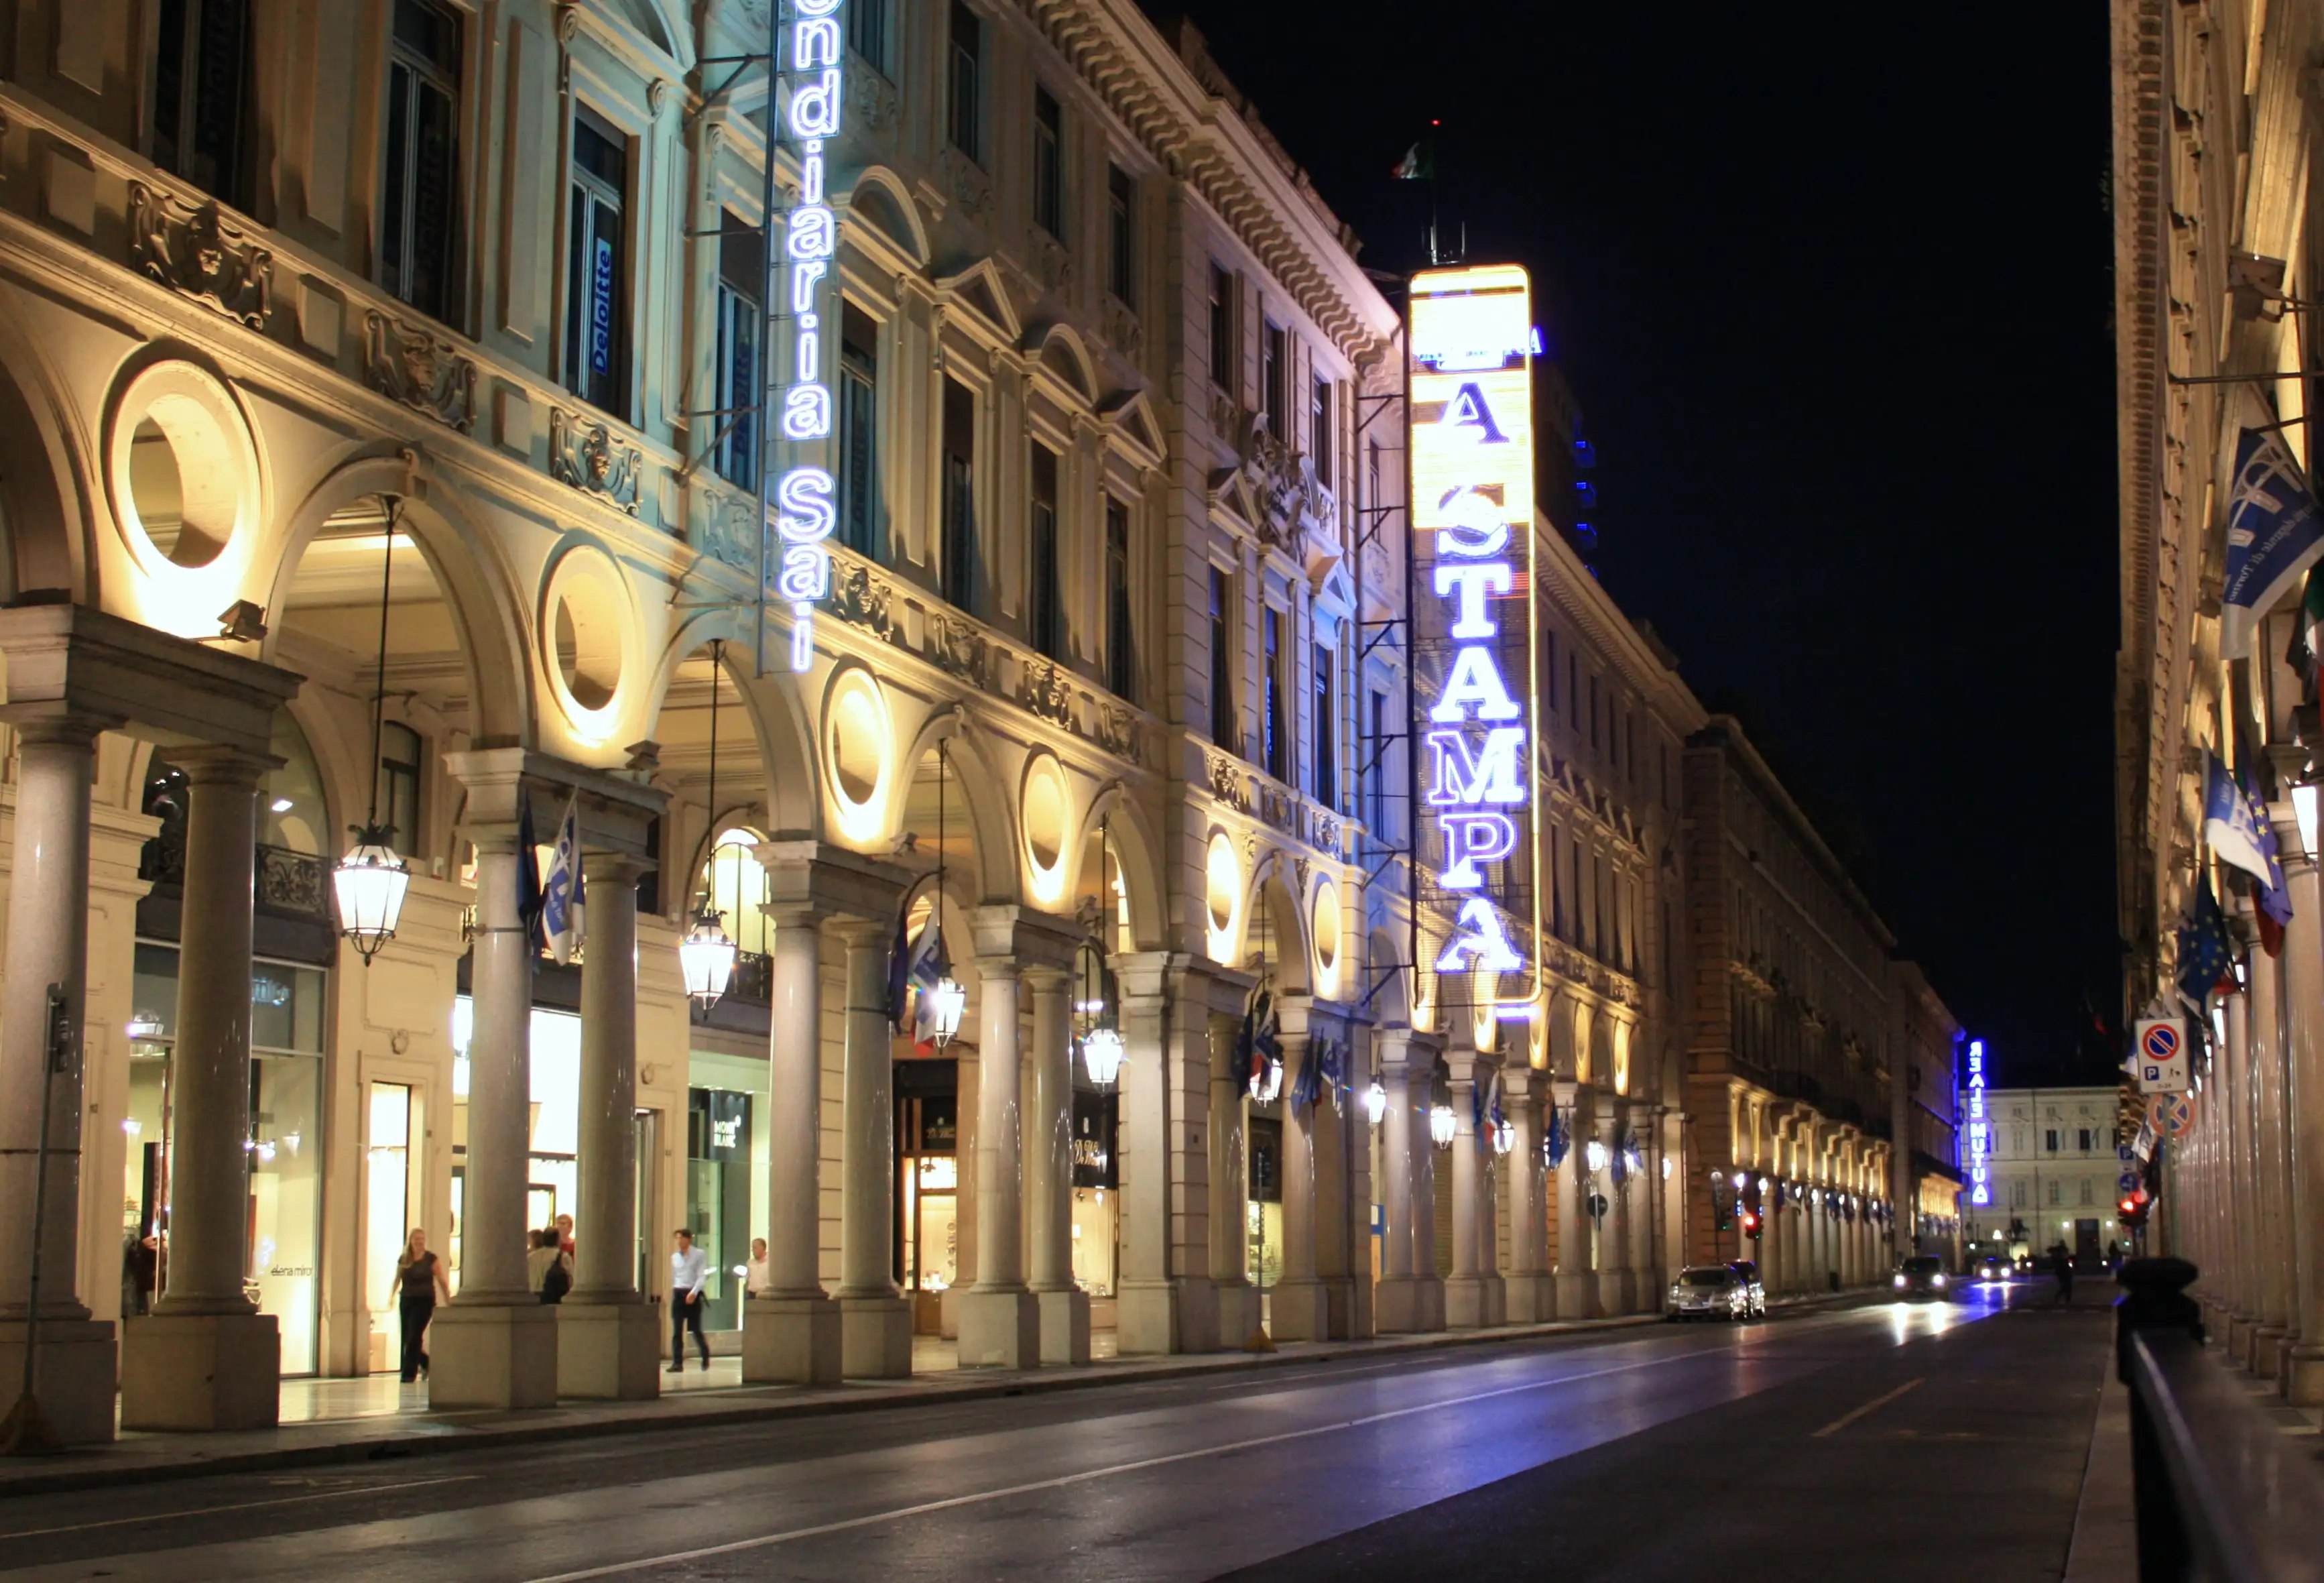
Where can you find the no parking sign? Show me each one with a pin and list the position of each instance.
(2162, 1054)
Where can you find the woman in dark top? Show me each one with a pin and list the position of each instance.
(419, 1277)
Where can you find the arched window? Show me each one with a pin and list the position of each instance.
(738, 890)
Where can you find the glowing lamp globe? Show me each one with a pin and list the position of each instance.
(1440, 1125)
(947, 1001)
(1594, 1152)
(1505, 1137)
(1267, 1081)
(706, 958)
(1375, 1103)
(370, 882)
(1102, 1053)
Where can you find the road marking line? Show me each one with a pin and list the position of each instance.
(324, 1494)
(1874, 1405)
(767, 1541)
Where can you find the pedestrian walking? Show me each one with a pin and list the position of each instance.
(418, 1278)
(2062, 1262)
(689, 1268)
(547, 1267)
(759, 1276)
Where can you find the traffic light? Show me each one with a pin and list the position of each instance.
(1753, 1225)
(1722, 1211)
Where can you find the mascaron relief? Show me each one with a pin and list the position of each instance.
(726, 537)
(586, 455)
(1123, 330)
(967, 183)
(871, 99)
(420, 369)
(196, 250)
(1227, 781)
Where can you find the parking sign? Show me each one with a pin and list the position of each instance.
(2162, 1054)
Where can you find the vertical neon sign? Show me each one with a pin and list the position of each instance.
(1979, 1180)
(804, 512)
(1470, 421)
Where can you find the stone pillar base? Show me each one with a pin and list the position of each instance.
(2261, 1358)
(1301, 1311)
(1000, 1329)
(608, 1351)
(1577, 1297)
(200, 1372)
(1529, 1298)
(875, 1338)
(948, 1313)
(791, 1342)
(1407, 1305)
(1617, 1293)
(2303, 1375)
(2235, 1336)
(1466, 1306)
(1160, 1317)
(1238, 1315)
(77, 1372)
(1340, 1307)
(1065, 1327)
(500, 1356)
(2284, 1347)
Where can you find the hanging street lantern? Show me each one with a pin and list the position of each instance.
(707, 956)
(946, 1001)
(1376, 1101)
(1505, 1136)
(1100, 1038)
(1593, 1154)
(371, 879)
(1101, 1054)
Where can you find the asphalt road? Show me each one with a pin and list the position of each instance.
(1877, 1440)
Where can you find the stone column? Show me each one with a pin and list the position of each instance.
(1636, 1198)
(2300, 1368)
(1361, 1138)
(1336, 1247)
(1528, 1298)
(2276, 1259)
(875, 1321)
(1301, 1309)
(1410, 1297)
(2234, 1096)
(1464, 1289)
(1166, 1301)
(793, 1334)
(495, 1345)
(999, 1319)
(1613, 1277)
(1064, 1306)
(47, 944)
(206, 1359)
(608, 1336)
(1577, 1275)
(1238, 1301)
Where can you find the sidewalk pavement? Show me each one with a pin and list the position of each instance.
(142, 1459)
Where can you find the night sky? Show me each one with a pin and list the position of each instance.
(1832, 284)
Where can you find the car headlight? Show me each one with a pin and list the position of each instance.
(1900, 1283)
(1940, 1279)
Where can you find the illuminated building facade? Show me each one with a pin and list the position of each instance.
(1930, 1160)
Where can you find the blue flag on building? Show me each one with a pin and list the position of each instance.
(1560, 1140)
(2232, 826)
(2276, 533)
(927, 968)
(2273, 896)
(561, 923)
(528, 874)
(2204, 949)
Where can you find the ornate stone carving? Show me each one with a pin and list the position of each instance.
(862, 599)
(1327, 832)
(966, 180)
(421, 369)
(1292, 505)
(1227, 783)
(1227, 416)
(1117, 732)
(1122, 328)
(1052, 264)
(1277, 808)
(955, 645)
(1047, 689)
(199, 252)
(871, 101)
(726, 536)
(588, 457)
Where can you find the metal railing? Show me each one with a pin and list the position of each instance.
(2222, 1493)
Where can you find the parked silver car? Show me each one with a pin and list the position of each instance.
(1709, 1291)
(1750, 1270)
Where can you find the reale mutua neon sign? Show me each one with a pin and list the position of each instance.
(812, 49)
(1980, 1188)
(1469, 411)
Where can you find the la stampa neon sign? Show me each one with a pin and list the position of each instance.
(1470, 417)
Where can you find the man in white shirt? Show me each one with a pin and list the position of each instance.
(690, 1267)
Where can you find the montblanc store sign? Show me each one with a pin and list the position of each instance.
(1471, 414)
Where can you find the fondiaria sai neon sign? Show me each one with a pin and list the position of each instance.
(813, 49)
(1470, 417)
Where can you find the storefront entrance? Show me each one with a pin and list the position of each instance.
(392, 1207)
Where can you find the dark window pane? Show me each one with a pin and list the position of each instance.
(959, 568)
(1049, 167)
(1222, 346)
(966, 54)
(862, 525)
(1120, 649)
(1122, 272)
(1225, 729)
(1044, 618)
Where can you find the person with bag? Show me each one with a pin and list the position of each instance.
(418, 1278)
(548, 1267)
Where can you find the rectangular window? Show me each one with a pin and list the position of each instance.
(1278, 746)
(1375, 768)
(1319, 430)
(1120, 632)
(2082, 1139)
(967, 57)
(422, 196)
(1225, 730)
(1593, 712)
(1122, 234)
(1556, 886)
(867, 32)
(2050, 1139)
(201, 92)
(398, 784)
(1044, 621)
(2054, 1186)
(741, 322)
(596, 340)
(1274, 360)
(1326, 772)
(1549, 693)
(2085, 1189)
(1373, 496)
(959, 566)
(1048, 164)
(862, 521)
(1223, 336)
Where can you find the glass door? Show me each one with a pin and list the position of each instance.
(391, 1210)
